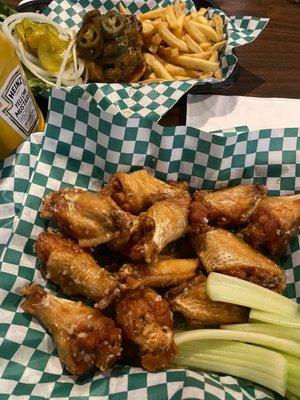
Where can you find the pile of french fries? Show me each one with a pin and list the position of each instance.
(179, 46)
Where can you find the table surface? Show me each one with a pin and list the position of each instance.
(269, 67)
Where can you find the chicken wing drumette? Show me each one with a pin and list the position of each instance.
(223, 252)
(75, 270)
(147, 321)
(191, 300)
(165, 271)
(84, 337)
(134, 192)
(275, 222)
(226, 207)
(92, 218)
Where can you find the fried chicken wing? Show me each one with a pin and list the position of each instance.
(164, 272)
(84, 337)
(92, 218)
(224, 252)
(133, 192)
(164, 222)
(75, 270)
(147, 321)
(191, 300)
(226, 207)
(275, 222)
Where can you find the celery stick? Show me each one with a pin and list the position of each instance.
(267, 329)
(285, 345)
(241, 351)
(267, 380)
(257, 363)
(271, 318)
(220, 287)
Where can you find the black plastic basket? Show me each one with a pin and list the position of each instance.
(39, 5)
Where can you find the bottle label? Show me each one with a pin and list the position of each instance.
(17, 104)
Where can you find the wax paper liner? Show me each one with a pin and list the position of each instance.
(83, 146)
(152, 100)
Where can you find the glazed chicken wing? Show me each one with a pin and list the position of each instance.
(133, 192)
(191, 300)
(275, 222)
(226, 207)
(92, 218)
(164, 222)
(147, 321)
(164, 272)
(75, 270)
(221, 251)
(84, 337)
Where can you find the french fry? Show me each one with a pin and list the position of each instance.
(201, 19)
(214, 57)
(170, 38)
(152, 75)
(153, 80)
(205, 75)
(192, 44)
(205, 55)
(167, 51)
(194, 15)
(194, 63)
(148, 30)
(123, 10)
(156, 39)
(158, 68)
(153, 48)
(192, 73)
(178, 9)
(202, 11)
(181, 78)
(153, 14)
(194, 32)
(170, 17)
(207, 31)
(174, 69)
(180, 21)
(219, 45)
(218, 21)
(205, 46)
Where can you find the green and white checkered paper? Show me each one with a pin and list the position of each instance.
(152, 100)
(83, 146)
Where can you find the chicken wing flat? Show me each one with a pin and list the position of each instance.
(221, 251)
(75, 270)
(164, 222)
(275, 222)
(92, 218)
(191, 300)
(84, 337)
(164, 272)
(226, 207)
(133, 192)
(147, 321)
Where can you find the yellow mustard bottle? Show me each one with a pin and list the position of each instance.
(19, 114)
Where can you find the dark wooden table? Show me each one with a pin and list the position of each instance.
(270, 66)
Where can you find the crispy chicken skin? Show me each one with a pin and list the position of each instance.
(147, 321)
(164, 222)
(226, 207)
(191, 300)
(92, 218)
(275, 222)
(165, 271)
(133, 192)
(223, 252)
(84, 337)
(75, 270)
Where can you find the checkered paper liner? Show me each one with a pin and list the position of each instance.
(152, 100)
(83, 146)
